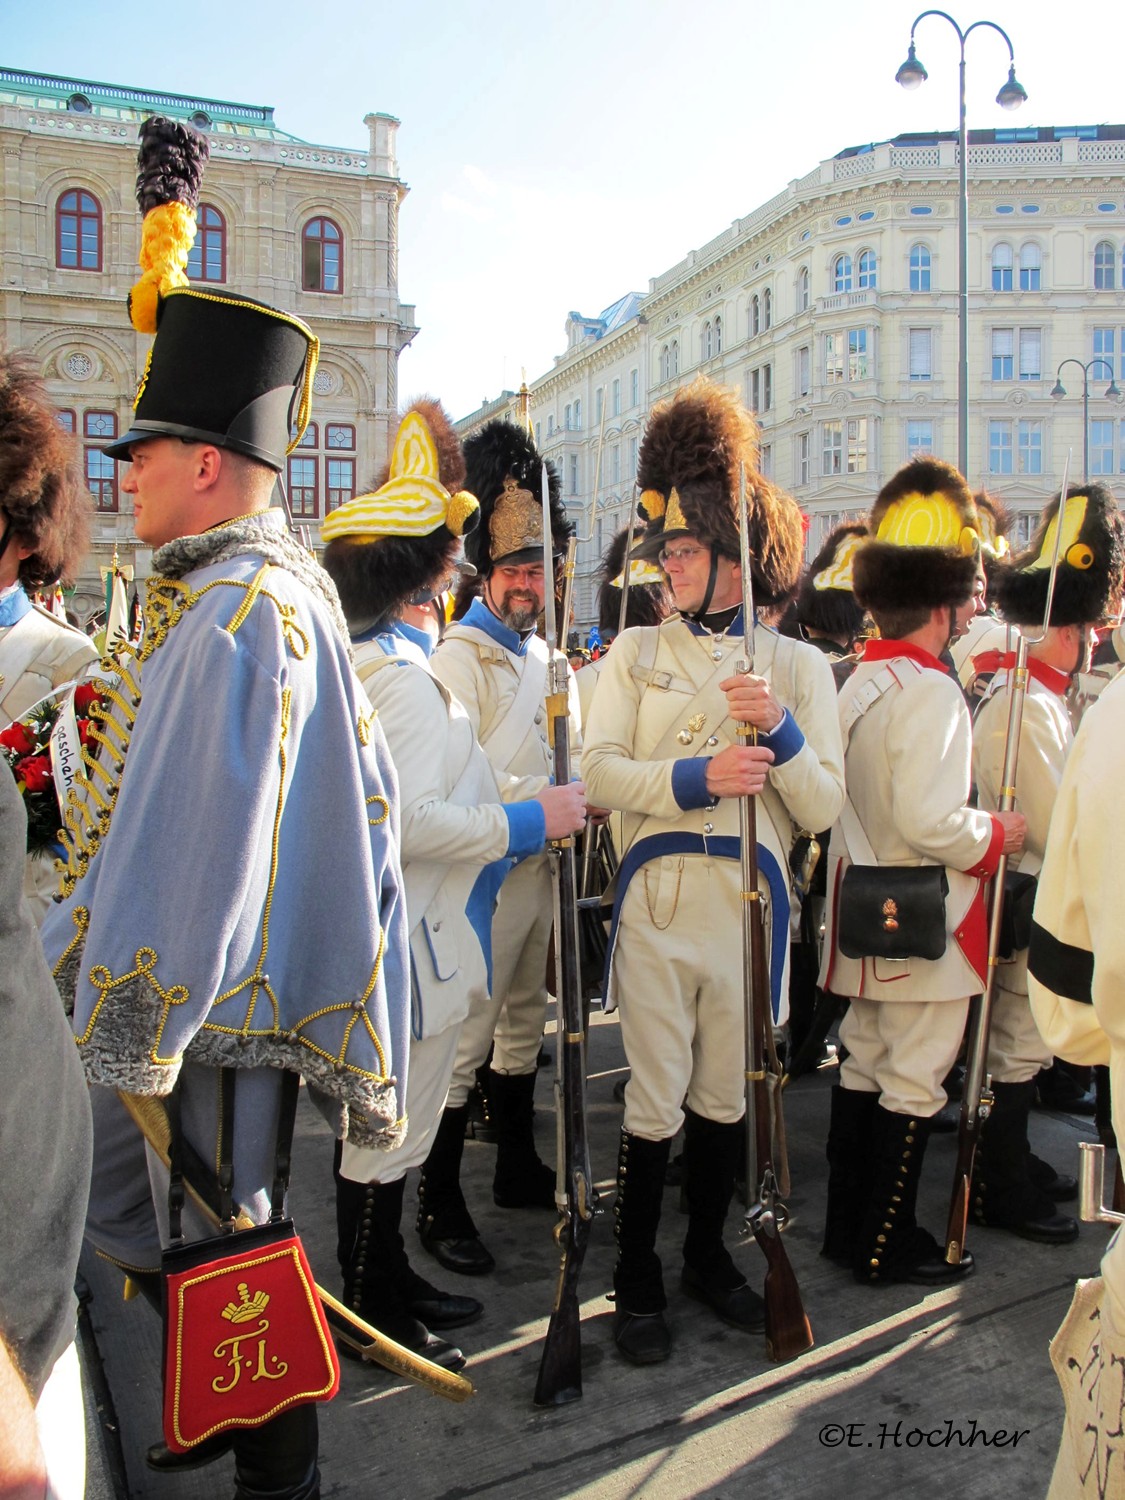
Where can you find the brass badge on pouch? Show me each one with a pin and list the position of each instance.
(890, 915)
(691, 728)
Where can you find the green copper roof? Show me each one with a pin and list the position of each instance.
(114, 101)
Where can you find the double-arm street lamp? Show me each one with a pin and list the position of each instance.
(912, 75)
(1058, 391)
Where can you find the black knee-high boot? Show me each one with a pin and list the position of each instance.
(445, 1225)
(712, 1152)
(379, 1283)
(890, 1245)
(640, 1331)
(1005, 1195)
(848, 1150)
(522, 1180)
(278, 1461)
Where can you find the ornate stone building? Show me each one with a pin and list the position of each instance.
(312, 229)
(833, 309)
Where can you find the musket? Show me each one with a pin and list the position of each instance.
(622, 612)
(976, 1093)
(787, 1327)
(150, 1115)
(560, 1368)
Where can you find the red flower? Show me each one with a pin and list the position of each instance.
(35, 772)
(84, 695)
(18, 737)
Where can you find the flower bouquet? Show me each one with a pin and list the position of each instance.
(26, 746)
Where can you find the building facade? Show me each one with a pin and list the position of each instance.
(311, 229)
(833, 309)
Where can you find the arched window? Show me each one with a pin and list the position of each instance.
(718, 334)
(706, 349)
(322, 256)
(665, 363)
(1031, 264)
(866, 267)
(1105, 262)
(755, 315)
(1002, 268)
(842, 274)
(767, 309)
(78, 231)
(674, 355)
(207, 259)
(803, 289)
(578, 415)
(920, 266)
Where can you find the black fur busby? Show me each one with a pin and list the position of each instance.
(824, 602)
(1091, 564)
(376, 571)
(647, 604)
(688, 470)
(504, 471)
(924, 547)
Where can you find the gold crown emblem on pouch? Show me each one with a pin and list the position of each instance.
(890, 915)
(247, 1307)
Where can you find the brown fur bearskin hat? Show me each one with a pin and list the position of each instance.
(374, 578)
(1091, 565)
(694, 444)
(41, 492)
(834, 611)
(893, 575)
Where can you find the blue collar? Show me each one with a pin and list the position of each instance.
(412, 635)
(14, 604)
(481, 617)
(733, 629)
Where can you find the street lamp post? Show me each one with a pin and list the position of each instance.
(912, 75)
(1058, 391)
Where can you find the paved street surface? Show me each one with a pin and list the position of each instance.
(718, 1421)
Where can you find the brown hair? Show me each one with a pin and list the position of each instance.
(41, 492)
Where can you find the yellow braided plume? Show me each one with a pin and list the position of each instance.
(167, 235)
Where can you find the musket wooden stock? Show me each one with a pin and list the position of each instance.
(788, 1332)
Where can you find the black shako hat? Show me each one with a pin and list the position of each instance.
(227, 370)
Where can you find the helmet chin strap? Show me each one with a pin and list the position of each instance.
(712, 577)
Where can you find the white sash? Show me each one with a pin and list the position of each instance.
(504, 737)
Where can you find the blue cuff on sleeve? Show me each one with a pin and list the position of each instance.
(527, 828)
(785, 741)
(689, 782)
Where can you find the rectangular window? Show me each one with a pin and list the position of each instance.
(341, 481)
(767, 387)
(309, 437)
(833, 448)
(572, 485)
(1104, 342)
(599, 400)
(340, 435)
(804, 445)
(66, 420)
(999, 447)
(615, 399)
(1101, 447)
(857, 445)
(635, 388)
(921, 361)
(302, 486)
(919, 438)
(1003, 348)
(803, 370)
(1030, 447)
(765, 460)
(857, 353)
(755, 390)
(634, 445)
(98, 428)
(1031, 350)
(833, 358)
(615, 464)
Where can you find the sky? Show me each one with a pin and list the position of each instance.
(558, 157)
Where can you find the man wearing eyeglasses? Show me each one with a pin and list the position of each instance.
(661, 747)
